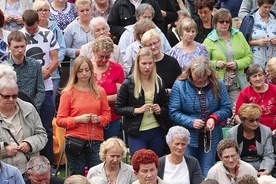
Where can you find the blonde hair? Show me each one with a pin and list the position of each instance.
(150, 34)
(202, 67)
(103, 43)
(153, 78)
(39, 3)
(73, 79)
(79, 179)
(186, 25)
(79, 2)
(249, 110)
(271, 66)
(110, 143)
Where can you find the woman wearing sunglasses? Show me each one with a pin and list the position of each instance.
(254, 139)
(229, 51)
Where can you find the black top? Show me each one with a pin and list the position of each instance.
(201, 31)
(249, 147)
(168, 69)
(171, 37)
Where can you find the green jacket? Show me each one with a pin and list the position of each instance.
(241, 49)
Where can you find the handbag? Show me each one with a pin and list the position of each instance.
(241, 77)
(75, 146)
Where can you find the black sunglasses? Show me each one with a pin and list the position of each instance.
(8, 96)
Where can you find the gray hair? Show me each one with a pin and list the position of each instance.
(38, 161)
(177, 131)
(142, 9)
(6, 82)
(7, 70)
(183, 13)
(97, 20)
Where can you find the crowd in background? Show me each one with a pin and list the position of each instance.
(156, 79)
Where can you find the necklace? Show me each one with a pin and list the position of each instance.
(261, 96)
(199, 90)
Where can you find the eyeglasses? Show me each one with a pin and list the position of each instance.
(230, 156)
(104, 56)
(8, 96)
(43, 10)
(224, 21)
(253, 120)
(37, 167)
(152, 44)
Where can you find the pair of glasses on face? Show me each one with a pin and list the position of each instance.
(224, 21)
(8, 96)
(43, 10)
(37, 167)
(252, 120)
(228, 157)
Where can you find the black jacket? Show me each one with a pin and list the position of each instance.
(123, 14)
(126, 102)
(193, 168)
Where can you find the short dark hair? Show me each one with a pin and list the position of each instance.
(253, 69)
(144, 156)
(204, 3)
(2, 19)
(17, 36)
(30, 17)
(261, 2)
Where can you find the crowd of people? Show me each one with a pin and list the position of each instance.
(154, 80)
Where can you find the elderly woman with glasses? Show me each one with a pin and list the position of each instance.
(254, 140)
(22, 135)
(229, 51)
(230, 167)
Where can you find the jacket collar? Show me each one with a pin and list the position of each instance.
(213, 35)
(240, 134)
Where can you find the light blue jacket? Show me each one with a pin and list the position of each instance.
(10, 174)
(128, 37)
(52, 25)
(184, 108)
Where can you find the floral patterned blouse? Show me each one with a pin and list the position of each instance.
(262, 30)
(184, 59)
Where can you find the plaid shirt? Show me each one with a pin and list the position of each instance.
(30, 79)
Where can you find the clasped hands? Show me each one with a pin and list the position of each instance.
(148, 107)
(229, 65)
(85, 118)
(13, 150)
(199, 123)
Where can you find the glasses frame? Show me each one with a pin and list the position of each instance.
(6, 97)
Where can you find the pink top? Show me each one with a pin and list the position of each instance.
(74, 103)
(266, 100)
(112, 76)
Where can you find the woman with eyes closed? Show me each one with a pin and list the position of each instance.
(143, 103)
(110, 76)
(77, 33)
(84, 112)
(188, 49)
(254, 140)
(113, 170)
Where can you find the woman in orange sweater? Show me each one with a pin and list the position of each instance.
(83, 112)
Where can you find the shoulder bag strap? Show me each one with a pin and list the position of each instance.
(222, 50)
(17, 144)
